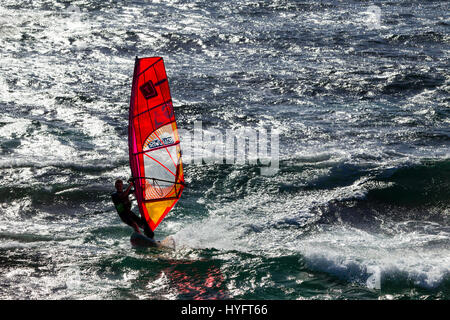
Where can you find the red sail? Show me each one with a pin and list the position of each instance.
(154, 144)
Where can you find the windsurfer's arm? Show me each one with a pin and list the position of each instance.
(128, 191)
(130, 181)
(124, 195)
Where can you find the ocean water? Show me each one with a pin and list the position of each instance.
(357, 90)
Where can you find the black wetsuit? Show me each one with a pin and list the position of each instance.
(123, 207)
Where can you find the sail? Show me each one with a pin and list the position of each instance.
(154, 144)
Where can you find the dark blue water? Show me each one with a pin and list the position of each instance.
(358, 92)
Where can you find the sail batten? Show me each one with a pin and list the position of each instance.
(154, 144)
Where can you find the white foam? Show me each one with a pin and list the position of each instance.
(353, 255)
(356, 255)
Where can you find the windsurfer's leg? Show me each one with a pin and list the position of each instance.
(148, 232)
(141, 223)
(136, 228)
(128, 219)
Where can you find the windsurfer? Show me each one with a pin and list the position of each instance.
(123, 207)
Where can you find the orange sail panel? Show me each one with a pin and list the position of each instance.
(154, 144)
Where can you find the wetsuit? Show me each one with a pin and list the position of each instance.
(123, 207)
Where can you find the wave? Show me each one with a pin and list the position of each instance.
(413, 81)
(423, 184)
(419, 192)
(392, 274)
(430, 37)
